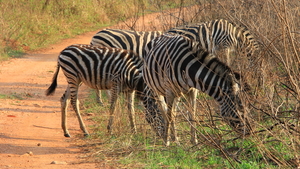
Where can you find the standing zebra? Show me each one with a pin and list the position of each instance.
(217, 35)
(175, 64)
(123, 39)
(100, 68)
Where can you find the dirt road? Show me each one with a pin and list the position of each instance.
(30, 133)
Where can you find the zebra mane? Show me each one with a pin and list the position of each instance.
(222, 69)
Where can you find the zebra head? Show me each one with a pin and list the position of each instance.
(246, 42)
(233, 110)
(153, 113)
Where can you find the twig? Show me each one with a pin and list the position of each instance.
(290, 126)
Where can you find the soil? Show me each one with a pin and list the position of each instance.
(30, 132)
(30, 135)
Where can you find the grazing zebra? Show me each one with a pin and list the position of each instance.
(100, 68)
(217, 35)
(175, 64)
(123, 39)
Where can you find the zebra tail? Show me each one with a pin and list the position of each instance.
(52, 87)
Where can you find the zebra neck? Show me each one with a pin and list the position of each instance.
(228, 107)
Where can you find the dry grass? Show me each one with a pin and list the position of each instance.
(273, 76)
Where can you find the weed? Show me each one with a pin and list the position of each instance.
(13, 96)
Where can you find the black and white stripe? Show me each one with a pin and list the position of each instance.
(220, 34)
(175, 64)
(101, 68)
(123, 39)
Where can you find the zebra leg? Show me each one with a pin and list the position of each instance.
(131, 113)
(98, 97)
(174, 113)
(114, 99)
(75, 104)
(164, 108)
(108, 94)
(170, 122)
(192, 94)
(64, 100)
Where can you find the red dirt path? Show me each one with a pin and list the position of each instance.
(30, 121)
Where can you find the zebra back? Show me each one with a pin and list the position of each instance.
(124, 39)
(219, 34)
(98, 67)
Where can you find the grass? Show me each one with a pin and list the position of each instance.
(145, 150)
(27, 26)
(16, 96)
(36, 24)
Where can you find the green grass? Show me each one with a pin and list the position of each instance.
(30, 25)
(145, 150)
(15, 96)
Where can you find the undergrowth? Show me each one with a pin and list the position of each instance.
(273, 102)
(217, 148)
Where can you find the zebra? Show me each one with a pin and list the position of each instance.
(217, 35)
(100, 68)
(175, 65)
(123, 39)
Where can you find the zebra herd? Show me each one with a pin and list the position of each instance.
(160, 67)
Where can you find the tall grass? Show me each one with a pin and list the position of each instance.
(29, 25)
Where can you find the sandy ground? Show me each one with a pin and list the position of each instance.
(30, 135)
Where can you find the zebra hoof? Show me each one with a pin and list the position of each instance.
(86, 135)
(100, 102)
(67, 135)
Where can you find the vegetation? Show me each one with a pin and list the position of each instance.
(273, 74)
(29, 25)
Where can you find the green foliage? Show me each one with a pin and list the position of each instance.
(145, 150)
(16, 96)
(29, 25)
